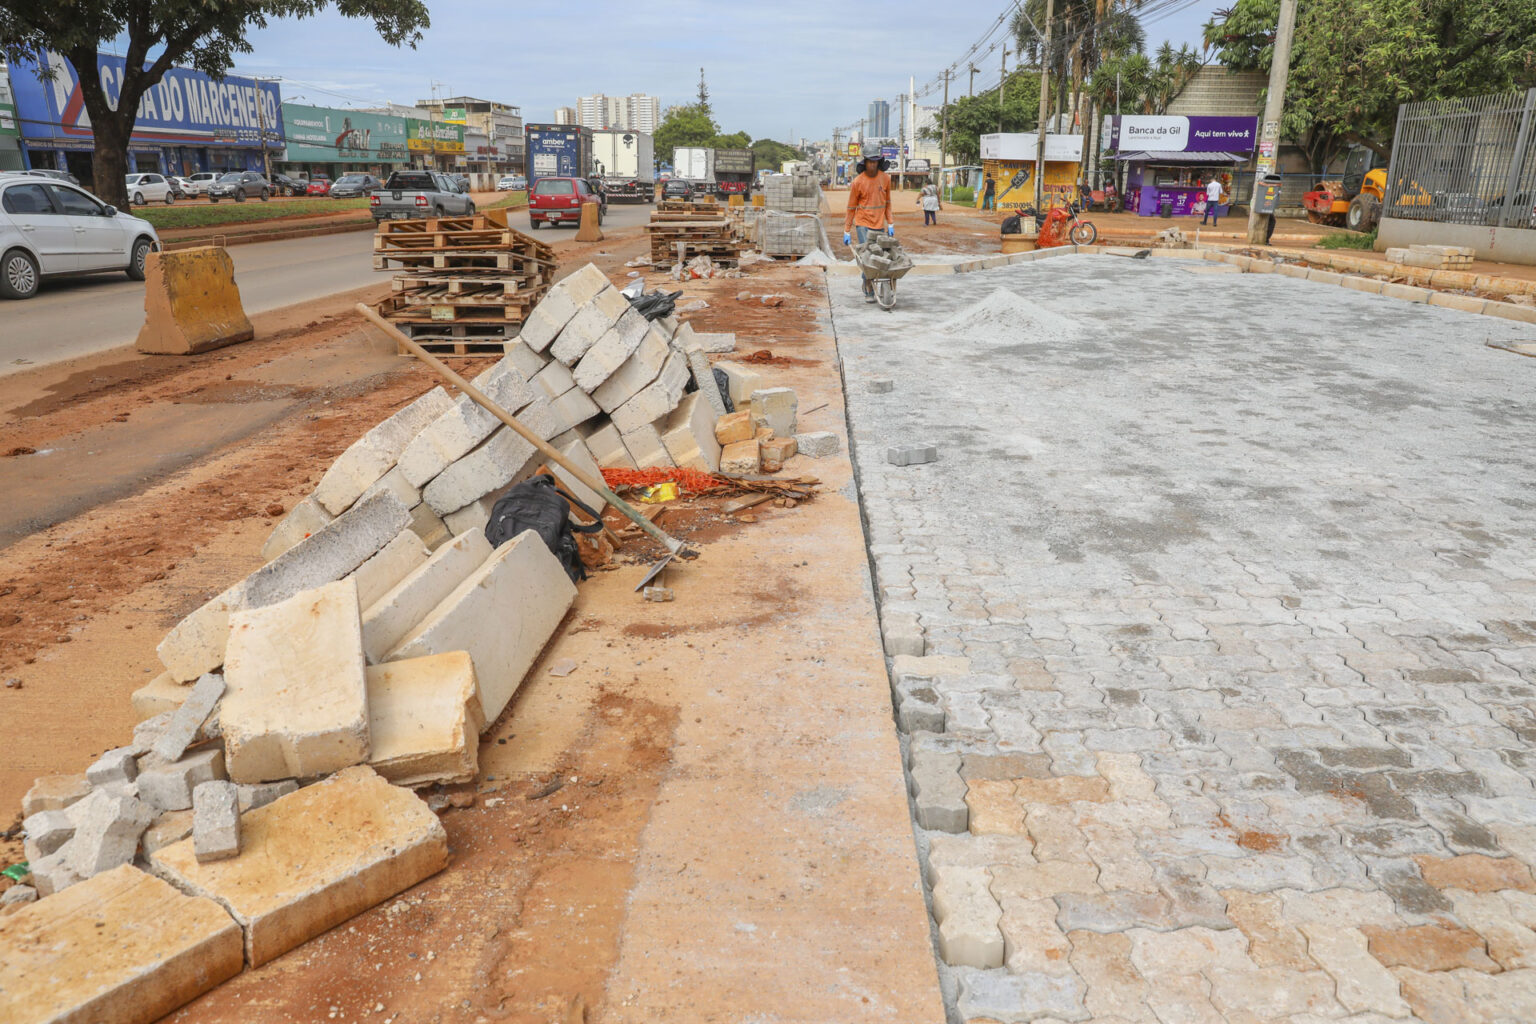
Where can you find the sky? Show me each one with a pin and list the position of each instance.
(785, 69)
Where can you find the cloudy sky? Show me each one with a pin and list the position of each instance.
(783, 69)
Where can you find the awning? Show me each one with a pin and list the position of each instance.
(1159, 157)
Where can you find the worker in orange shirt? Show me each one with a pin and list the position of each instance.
(869, 206)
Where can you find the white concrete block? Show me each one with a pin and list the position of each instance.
(116, 765)
(703, 373)
(425, 719)
(387, 621)
(306, 517)
(297, 703)
(656, 399)
(169, 787)
(689, 435)
(743, 381)
(429, 526)
(578, 453)
(188, 718)
(456, 432)
(395, 483)
(107, 831)
(375, 453)
(612, 349)
(642, 367)
(560, 304)
(393, 563)
(554, 380)
(646, 448)
(503, 459)
(589, 324)
(472, 517)
(688, 340)
(574, 408)
(503, 615)
(608, 449)
(527, 361)
(215, 822)
(775, 408)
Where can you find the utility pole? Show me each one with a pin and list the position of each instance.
(972, 91)
(1274, 106)
(1000, 83)
(1045, 94)
(944, 126)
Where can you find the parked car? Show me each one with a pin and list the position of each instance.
(201, 181)
(511, 183)
(152, 188)
(351, 186)
(677, 188)
(417, 194)
(181, 188)
(559, 201)
(240, 186)
(319, 185)
(41, 172)
(287, 185)
(53, 229)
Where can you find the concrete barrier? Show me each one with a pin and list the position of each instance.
(191, 303)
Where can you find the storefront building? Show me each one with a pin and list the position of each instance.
(322, 141)
(434, 144)
(1009, 160)
(1170, 158)
(10, 131)
(187, 122)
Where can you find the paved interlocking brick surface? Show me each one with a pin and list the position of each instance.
(1227, 591)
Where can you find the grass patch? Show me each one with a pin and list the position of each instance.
(510, 199)
(962, 195)
(1347, 240)
(202, 214)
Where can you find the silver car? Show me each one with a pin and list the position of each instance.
(54, 229)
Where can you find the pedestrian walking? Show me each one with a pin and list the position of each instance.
(929, 201)
(1212, 200)
(989, 194)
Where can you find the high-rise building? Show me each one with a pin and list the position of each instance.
(878, 125)
(565, 115)
(636, 112)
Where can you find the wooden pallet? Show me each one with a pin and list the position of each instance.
(430, 307)
(456, 331)
(458, 347)
(439, 241)
(471, 285)
(491, 259)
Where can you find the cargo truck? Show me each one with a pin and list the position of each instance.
(558, 150)
(626, 163)
(695, 165)
(733, 172)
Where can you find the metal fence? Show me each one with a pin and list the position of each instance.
(1465, 161)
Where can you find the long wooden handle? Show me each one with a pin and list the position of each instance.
(544, 447)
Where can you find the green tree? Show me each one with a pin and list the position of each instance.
(773, 155)
(735, 140)
(971, 117)
(1353, 64)
(205, 34)
(686, 125)
(703, 101)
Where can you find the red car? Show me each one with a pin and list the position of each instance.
(318, 187)
(559, 200)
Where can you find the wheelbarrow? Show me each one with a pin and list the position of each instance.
(883, 262)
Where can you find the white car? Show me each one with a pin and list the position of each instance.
(199, 182)
(511, 183)
(153, 188)
(55, 229)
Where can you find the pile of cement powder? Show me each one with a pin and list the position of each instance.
(1010, 314)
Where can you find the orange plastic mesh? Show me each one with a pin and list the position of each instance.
(687, 479)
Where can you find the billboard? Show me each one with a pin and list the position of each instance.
(1169, 133)
(324, 135)
(455, 115)
(433, 137)
(185, 107)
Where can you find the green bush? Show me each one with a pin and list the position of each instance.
(962, 195)
(1348, 240)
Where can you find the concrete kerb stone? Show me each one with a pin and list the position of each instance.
(374, 454)
(742, 381)
(704, 380)
(215, 821)
(608, 449)
(656, 399)
(181, 729)
(425, 719)
(603, 359)
(54, 793)
(1510, 311)
(297, 705)
(394, 561)
(688, 340)
(574, 408)
(559, 305)
(527, 361)
(458, 431)
(640, 368)
(554, 380)
(576, 451)
(306, 517)
(775, 408)
(587, 327)
(1361, 284)
(689, 435)
(502, 614)
(503, 459)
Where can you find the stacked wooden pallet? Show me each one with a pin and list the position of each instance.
(1434, 257)
(463, 285)
(702, 229)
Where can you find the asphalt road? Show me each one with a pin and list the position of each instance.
(75, 317)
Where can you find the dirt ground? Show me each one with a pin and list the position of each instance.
(578, 888)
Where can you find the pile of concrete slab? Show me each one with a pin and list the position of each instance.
(269, 779)
(1433, 257)
(795, 192)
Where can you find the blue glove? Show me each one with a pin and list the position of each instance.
(847, 238)
(890, 229)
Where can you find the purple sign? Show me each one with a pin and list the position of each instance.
(1172, 133)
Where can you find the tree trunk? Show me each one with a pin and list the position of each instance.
(110, 128)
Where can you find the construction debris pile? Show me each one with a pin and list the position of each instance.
(467, 283)
(265, 795)
(1433, 257)
(680, 231)
(795, 192)
(790, 224)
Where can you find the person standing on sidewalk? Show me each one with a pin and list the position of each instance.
(869, 207)
(989, 194)
(1212, 200)
(929, 201)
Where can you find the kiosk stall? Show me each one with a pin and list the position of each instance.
(1170, 158)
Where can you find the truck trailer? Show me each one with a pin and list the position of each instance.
(558, 151)
(696, 165)
(733, 172)
(626, 163)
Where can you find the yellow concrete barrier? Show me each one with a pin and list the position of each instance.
(738, 200)
(589, 231)
(191, 303)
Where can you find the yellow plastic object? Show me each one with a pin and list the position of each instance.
(191, 303)
(738, 200)
(660, 492)
(758, 199)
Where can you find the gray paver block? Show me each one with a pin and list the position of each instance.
(881, 386)
(117, 765)
(187, 719)
(46, 832)
(169, 786)
(107, 831)
(938, 791)
(818, 444)
(215, 821)
(911, 454)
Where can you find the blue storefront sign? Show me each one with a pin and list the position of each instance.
(186, 108)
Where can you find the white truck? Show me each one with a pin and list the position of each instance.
(626, 163)
(696, 165)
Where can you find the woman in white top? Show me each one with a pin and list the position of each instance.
(1212, 199)
(929, 201)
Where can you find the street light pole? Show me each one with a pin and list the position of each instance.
(261, 127)
(1000, 83)
(1274, 107)
(944, 128)
(1045, 93)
